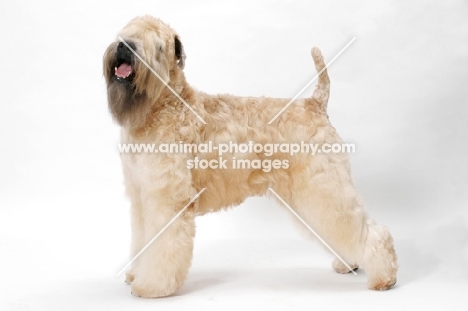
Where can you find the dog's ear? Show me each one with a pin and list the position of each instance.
(179, 52)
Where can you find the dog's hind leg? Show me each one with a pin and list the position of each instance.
(340, 267)
(325, 198)
(378, 258)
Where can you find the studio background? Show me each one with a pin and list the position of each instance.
(399, 93)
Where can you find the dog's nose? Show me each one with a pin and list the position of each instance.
(123, 47)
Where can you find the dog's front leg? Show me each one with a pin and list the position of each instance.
(165, 190)
(138, 235)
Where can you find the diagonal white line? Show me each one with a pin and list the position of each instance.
(159, 77)
(160, 232)
(313, 231)
(311, 81)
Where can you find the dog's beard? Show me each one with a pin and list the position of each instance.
(127, 107)
(132, 88)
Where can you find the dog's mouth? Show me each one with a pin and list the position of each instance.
(124, 71)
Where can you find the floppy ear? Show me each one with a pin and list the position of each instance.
(179, 52)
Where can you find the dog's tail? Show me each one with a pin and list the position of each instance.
(322, 89)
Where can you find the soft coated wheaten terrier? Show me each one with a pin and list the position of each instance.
(318, 187)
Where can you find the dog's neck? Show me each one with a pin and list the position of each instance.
(167, 102)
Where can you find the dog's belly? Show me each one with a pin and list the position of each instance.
(230, 185)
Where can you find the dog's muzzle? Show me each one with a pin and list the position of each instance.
(124, 61)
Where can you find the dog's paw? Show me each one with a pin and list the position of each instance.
(339, 267)
(129, 277)
(381, 284)
(151, 290)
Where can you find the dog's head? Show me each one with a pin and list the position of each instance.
(135, 66)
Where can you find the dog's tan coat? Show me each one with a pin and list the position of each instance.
(319, 187)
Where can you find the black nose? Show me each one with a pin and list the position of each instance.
(124, 54)
(122, 47)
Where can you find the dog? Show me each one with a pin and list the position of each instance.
(149, 97)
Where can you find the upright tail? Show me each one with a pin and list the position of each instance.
(322, 89)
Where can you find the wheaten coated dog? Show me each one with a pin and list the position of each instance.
(318, 187)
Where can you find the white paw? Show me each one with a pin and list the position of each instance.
(339, 267)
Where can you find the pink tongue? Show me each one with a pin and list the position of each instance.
(123, 70)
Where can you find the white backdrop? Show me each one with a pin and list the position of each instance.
(399, 93)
